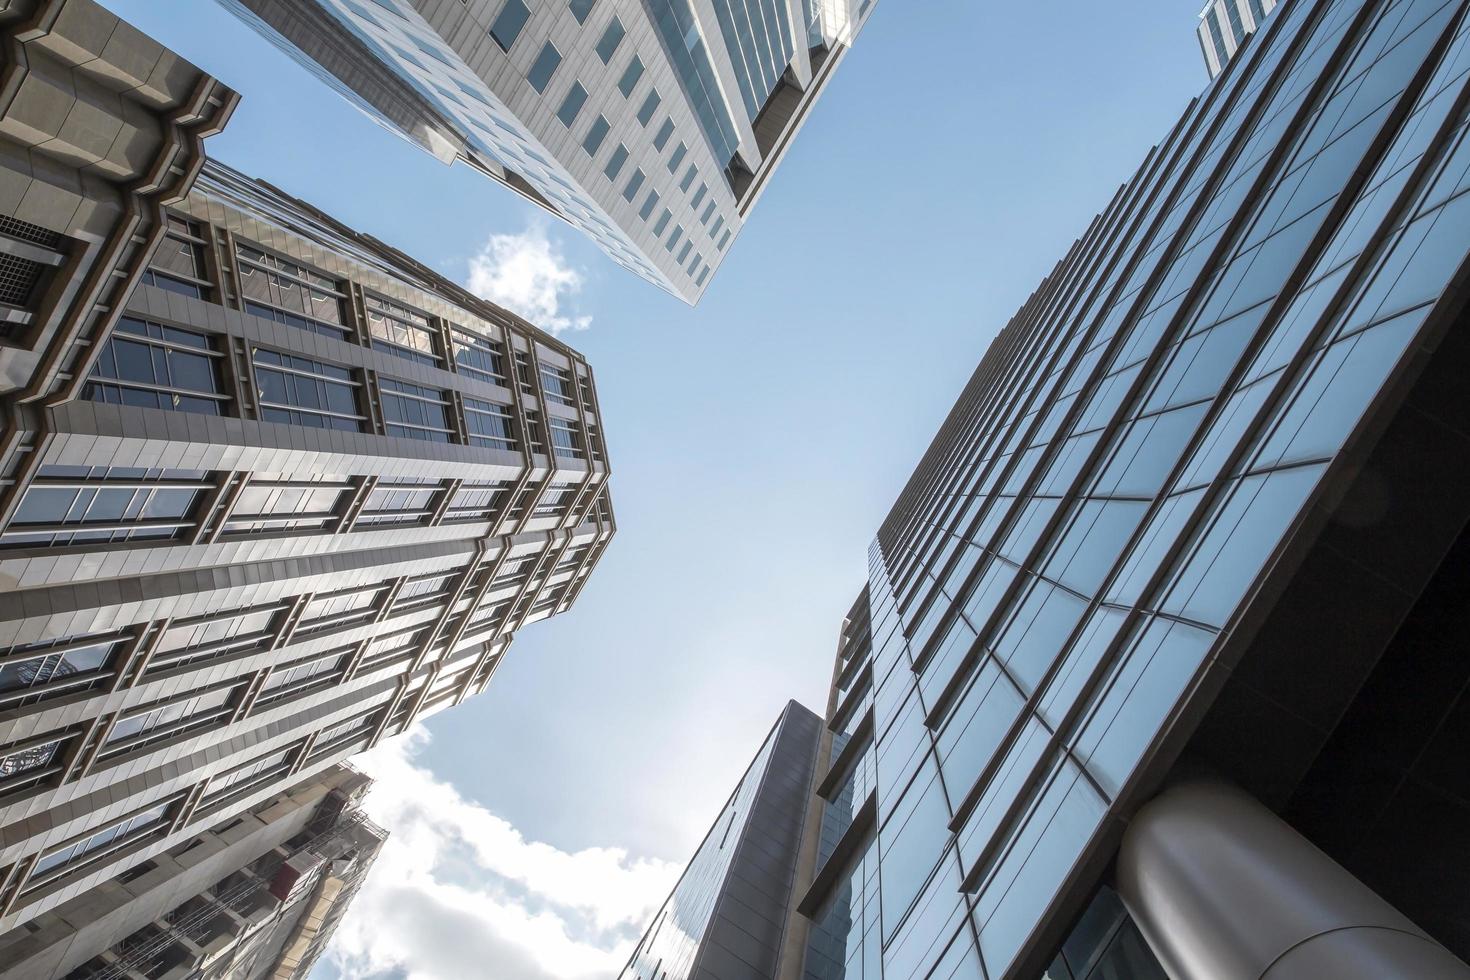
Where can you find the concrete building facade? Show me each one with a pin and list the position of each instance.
(1160, 666)
(270, 491)
(254, 898)
(651, 125)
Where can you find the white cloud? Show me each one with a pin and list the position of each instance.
(458, 893)
(528, 275)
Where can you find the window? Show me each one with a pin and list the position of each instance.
(507, 26)
(149, 365)
(170, 718)
(544, 67)
(415, 412)
(178, 263)
(479, 357)
(724, 239)
(572, 104)
(689, 176)
(615, 162)
(402, 331)
(581, 9)
(699, 196)
(556, 383)
(714, 229)
(649, 204)
(663, 222)
(14, 761)
(631, 74)
(149, 819)
(708, 213)
(105, 504)
(489, 424)
(286, 292)
(649, 107)
(635, 183)
(678, 157)
(694, 262)
(703, 274)
(664, 132)
(596, 135)
(684, 252)
(238, 778)
(611, 38)
(25, 668)
(300, 391)
(566, 439)
(674, 238)
(287, 505)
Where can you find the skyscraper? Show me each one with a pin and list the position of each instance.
(270, 491)
(255, 898)
(1223, 26)
(653, 126)
(1160, 664)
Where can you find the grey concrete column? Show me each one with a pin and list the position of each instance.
(1223, 889)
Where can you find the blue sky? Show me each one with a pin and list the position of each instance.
(756, 441)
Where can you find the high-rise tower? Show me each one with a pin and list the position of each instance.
(651, 125)
(1160, 668)
(1224, 25)
(270, 490)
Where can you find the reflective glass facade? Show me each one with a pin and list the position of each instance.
(1128, 543)
(565, 95)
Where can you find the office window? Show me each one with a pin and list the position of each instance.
(611, 38)
(544, 67)
(507, 26)
(714, 229)
(684, 252)
(699, 196)
(14, 761)
(581, 9)
(689, 176)
(664, 132)
(287, 505)
(556, 384)
(403, 332)
(649, 107)
(104, 505)
(479, 357)
(631, 74)
(635, 183)
(566, 439)
(415, 412)
(674, 238)
(287, 292)
(649, 204)
(301, 391)
(596, 135)
(572, 104)
(724, 239)
(615, 162)
(150, 819)
(489, 424)
(171, 718)
(678, 157)
(694, 262)
(71, 664)
(708, 212)
(148, 365)
(703, 275)
(178, 262)
(663, 222)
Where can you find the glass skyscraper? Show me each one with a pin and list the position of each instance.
(1224, 25)
(1160, 666)
(651, 125)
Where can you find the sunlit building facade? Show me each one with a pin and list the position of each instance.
(1224, 26)
(270, 491)
(1160, 668)
(257, 897)
(651, 125)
